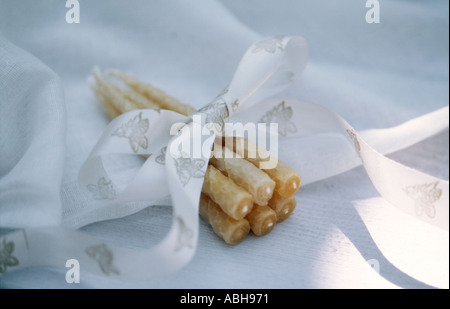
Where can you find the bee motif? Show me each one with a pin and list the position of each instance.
(270, 45)
(425, 196)
(282, 115)
(6, 257)
(135, 130)
(104, 256)
(188, 168)
(215, 114)
(104, 190)
(161, 158)
(235, 105)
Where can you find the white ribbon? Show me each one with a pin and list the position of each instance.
(267, 67)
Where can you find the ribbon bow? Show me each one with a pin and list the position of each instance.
(268, 66)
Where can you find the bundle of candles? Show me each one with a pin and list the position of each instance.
(237, 196)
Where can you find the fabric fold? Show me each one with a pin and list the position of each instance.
(32, 140)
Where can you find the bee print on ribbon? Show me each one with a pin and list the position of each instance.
(282, 115)
(270, 45)
(215, 114)
(424, 196)
(188, 168)
(6, 256)
(235, 105)
(104, 257)
(103, 190)
(135, 130)
(161, 158)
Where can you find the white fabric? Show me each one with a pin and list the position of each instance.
(32, 140)
(169, 45)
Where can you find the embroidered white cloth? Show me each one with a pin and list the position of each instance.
(183, 77)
